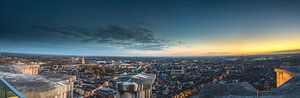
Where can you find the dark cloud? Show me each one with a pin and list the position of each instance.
(286, 51)
(87, 40)
(132, 36)
(218, 53)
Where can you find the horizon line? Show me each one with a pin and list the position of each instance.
(233, 55)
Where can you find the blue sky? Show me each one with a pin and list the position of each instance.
(148, 27)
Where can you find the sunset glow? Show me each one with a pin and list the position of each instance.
(198, 28)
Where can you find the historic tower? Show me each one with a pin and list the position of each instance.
(83, 61)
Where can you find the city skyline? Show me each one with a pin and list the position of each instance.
(150, 28)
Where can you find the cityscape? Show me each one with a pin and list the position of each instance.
(47, 76)
(150, 49)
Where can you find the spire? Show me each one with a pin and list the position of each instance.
(83, 61)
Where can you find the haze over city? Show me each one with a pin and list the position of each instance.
(150, 28)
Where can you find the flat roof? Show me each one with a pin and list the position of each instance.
(141, 79)
(33, 83)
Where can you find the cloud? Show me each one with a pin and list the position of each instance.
(219, 53)
(287, 51)
(135, 36)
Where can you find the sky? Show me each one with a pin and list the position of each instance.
(150, 27)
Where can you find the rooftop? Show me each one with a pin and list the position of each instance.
(244, 88)
(140, 79)
(289, 89)
(33, 83)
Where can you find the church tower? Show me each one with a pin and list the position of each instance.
(83, 61)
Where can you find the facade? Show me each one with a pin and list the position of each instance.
(29, 69)
(283, 76)
(135, 86)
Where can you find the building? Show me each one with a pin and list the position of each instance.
(238, 90)
(38, 85)
(29, 69)
(175, 70)
(283, 75)
(288, 86)
(135, 86)
(83, 61)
